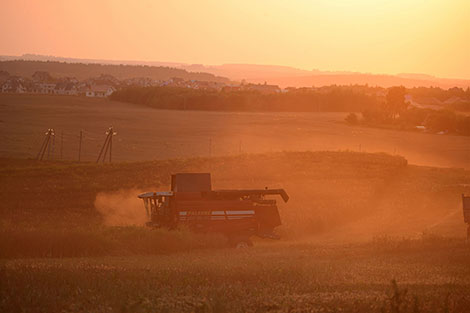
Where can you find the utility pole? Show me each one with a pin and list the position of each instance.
(210, 147)
(80, 146)
(107, 146)
(46, 144)
(53, 147)
(61, 143)
(49, 149)
(111, 147)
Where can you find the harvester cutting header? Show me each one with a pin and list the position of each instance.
(237, 214)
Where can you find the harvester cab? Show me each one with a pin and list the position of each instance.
(237, 214)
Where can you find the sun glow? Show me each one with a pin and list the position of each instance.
(365, 35)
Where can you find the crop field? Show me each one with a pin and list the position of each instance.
(362, 233)
(287, 157)
(149, 134)
(431, 275)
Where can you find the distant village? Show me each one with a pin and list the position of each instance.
(42, 82)
(103, 86)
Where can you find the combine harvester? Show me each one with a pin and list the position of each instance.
(237, 214)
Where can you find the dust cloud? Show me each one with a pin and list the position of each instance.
(338, 196)
(121, 208)
(349, 196)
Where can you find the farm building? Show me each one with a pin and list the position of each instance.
(100, 91)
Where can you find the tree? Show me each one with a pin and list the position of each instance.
(443, 120)
(395, 104)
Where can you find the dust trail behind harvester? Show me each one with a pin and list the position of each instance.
(121, 208)
(334, 196)
(347, 196)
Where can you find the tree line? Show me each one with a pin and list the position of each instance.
(83, 71)
(334, 99)
(396, 112)
(379, 107)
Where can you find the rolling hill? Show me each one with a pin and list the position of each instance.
(284, 76)
(81, 71)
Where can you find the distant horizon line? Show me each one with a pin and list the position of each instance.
(179, 64)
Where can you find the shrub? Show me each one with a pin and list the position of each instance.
(352, 119)
(463, 125)
(374, 116)
(443, 120)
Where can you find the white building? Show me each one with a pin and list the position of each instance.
(13, 86)
(47, 88)
(100, 91)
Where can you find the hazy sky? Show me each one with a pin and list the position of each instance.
(378, 36)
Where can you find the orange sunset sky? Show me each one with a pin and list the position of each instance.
(377, 36)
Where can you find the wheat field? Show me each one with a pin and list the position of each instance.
(362, 232)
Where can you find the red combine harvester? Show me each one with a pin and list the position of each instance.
(237, 214)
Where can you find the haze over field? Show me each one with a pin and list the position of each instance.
(347, 192)
(147, 134)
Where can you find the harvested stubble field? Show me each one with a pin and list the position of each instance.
(147, 134)
(355, 222)
(432, 275)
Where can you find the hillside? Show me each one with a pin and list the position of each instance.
(331, 78)
(284, 76)
(83, 71)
